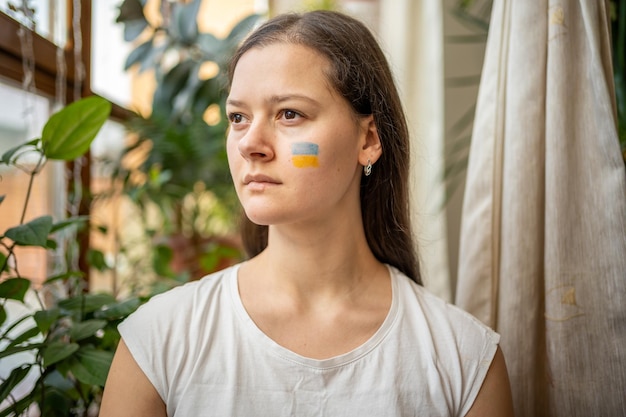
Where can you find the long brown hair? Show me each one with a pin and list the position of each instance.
(361, 74)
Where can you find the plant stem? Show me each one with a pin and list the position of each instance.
(30, 186)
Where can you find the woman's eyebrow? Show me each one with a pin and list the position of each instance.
(233, 102)
(287, 97)
(276, 99)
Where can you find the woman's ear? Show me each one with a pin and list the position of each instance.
(371, 148)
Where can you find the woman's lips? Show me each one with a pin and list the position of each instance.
(259, 182)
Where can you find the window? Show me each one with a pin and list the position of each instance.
(36, 54)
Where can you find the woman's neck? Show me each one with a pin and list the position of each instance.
(317, 260)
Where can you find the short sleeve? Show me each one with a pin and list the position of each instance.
(146, 333)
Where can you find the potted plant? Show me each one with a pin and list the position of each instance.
(185, 136)
(69, 338)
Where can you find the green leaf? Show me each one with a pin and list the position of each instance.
(133, 18)
(19, 407)
(210, 45)
(8, 155)
(161, 262)
(85, 329)
(119, 310)
(8, 329)
(130, 10)
(17, 349)
(69, 133)
(15, 377)
(91, 365)
(138, 54)
(186, 21)
(64, 276)
(86, 302)
(24, 336)
(57, 351)
(3, 262)
(168, 89)
(3, 315)
(78, 220)
(96, 259)
(242, 28)
(46, 318)
(14, 289)
(59, 402)
(134, 28)
(33, 233)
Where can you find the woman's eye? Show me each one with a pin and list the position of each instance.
(235, 118)
(290, 114)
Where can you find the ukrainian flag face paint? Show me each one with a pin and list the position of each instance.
(304, 155)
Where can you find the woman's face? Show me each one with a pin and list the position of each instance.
(295, 147)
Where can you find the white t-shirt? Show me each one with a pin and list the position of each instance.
(206, 357)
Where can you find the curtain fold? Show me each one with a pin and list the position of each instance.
(543, 235)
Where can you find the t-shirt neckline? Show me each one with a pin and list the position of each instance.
(253, 331)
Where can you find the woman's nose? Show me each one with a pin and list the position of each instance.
(257, 142)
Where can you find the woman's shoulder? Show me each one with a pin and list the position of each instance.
(443, 319)
(183, 301)
(455, 343)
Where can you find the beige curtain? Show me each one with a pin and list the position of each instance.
(411, 34)
(543, 240)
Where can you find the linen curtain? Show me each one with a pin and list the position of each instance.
(543, 235)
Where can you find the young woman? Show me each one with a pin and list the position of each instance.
(327, 317)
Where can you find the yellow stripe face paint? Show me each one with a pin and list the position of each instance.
(304, 155)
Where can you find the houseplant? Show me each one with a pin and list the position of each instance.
(184, 134)
(70, 336)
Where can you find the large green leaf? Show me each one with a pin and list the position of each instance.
(57, 351)
(69, 133)
(91, 365)
(33, 233)
(85, 329)
(14, 289)
(185, 21)
(46, 318)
